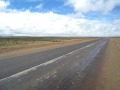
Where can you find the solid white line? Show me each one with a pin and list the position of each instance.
(43, 64)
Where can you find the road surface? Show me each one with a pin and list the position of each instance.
(76, 67)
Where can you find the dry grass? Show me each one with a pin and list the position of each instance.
(11, 44)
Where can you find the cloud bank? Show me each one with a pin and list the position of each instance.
(27, 23)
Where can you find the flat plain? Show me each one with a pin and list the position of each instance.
(18, 43)
(66, 64)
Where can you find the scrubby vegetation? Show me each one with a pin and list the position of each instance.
(13, 42)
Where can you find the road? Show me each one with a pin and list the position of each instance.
(75, 67)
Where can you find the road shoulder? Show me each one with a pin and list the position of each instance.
(110, 75)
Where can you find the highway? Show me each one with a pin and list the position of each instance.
(71, 67)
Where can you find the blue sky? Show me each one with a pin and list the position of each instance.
(59, 7)
(56, 6)
(60, 17)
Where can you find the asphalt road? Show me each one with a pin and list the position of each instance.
(64, 68)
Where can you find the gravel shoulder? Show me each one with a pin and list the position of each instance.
(109, 78)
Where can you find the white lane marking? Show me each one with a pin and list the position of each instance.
(43, 64)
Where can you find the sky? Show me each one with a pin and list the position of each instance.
(75, 18)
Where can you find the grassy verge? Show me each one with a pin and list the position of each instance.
(13, 43)
(10, 43)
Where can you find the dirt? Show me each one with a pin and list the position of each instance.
(104, 72)
(109, 78)
(37, 47)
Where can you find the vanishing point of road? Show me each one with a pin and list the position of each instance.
(92, 65)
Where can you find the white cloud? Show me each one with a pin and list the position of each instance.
(45, 24)
(39, 6)
(85, 6)
(26, 23)
(3, 5)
